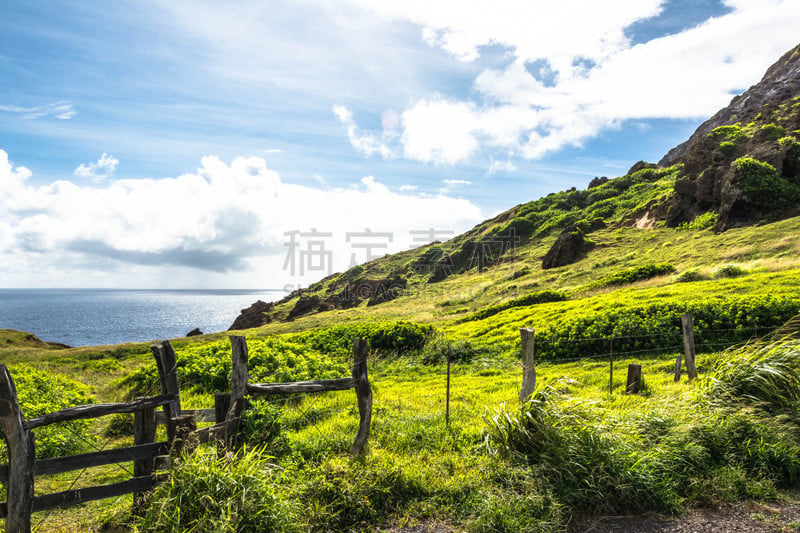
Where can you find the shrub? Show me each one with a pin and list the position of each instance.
(528, 299)
(589, 463)
(459, 351)
(654, 326)
(692, 274)
(385, 338)
(761, 185)
(731, 133)
(700, 222)
(727, 148)
(773, 131)
(41, 392)
(638, 273)
(261, 427)
(729, 271)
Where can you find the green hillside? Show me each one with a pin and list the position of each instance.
(602, 274)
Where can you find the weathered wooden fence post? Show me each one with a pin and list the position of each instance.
(611, 365)
(167, 366)
(222, 402)
(363, 394)
(447, 404)
(179, 431)
(688, 344)
(239, 378)
(21, 448)
(168, 377)
(144, 432)
(634, 383)
(528, 363)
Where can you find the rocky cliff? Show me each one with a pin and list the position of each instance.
(744, 162)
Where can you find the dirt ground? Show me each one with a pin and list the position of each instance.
(745, 517)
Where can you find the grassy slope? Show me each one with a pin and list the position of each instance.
(428, 469)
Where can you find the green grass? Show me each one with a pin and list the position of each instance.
(577, 449)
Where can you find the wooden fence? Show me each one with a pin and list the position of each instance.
(148, 456)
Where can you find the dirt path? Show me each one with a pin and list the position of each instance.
(745, 517)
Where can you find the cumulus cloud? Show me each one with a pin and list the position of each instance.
(367, 144)
(574, 73)
(222, 218)
(59, 110)
(104, 168)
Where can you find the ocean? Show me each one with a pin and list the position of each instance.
(89, 317)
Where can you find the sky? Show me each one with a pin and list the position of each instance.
(266, 144)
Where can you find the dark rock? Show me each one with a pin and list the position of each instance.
(195, 332)
(596, 182)
(304, 306)
(569, 247)
(641, 165)
(254, 316)
(387, 290)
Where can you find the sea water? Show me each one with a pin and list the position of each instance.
(88, 317)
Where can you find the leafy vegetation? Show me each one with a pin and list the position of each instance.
(206, 367)
(701, 222)
(638, 273)
(41, 392)
(528, 299)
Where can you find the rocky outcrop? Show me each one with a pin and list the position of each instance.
(780, 83)
(194, 333)
(596, 182)
(762, 125)
(570, 246)
(254, 316)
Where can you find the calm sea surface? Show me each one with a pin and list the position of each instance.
(84, 317)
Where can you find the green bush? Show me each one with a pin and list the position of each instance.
(727, 148)
(459, 351)
(718, 322)
(700, 222)
(761, 185)
(692, 274)
(528, 299)
(261, 427)
(41, 392)
(638, 273)
(385, 338)
(763, 376)
(773, 131)
(729, 271)
(731, 133)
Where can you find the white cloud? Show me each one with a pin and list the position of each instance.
(687, 75)
(221, 218)
(500, 166)
(366, 144)
(59, 110)
(407, 188)
(439, 131)
(456, 183)
(104, 168)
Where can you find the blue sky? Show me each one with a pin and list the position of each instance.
(178, 144)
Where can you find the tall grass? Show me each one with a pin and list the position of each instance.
(765, 376)
(208, 494)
